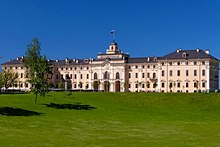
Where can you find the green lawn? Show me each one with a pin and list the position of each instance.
(110, 119)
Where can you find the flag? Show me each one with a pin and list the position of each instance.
(112, 32)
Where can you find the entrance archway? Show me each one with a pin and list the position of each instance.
(96, 85)
(117, 86)
(106, 86)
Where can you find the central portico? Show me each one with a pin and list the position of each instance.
(109, 70)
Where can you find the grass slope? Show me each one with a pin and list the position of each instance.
(110, 119)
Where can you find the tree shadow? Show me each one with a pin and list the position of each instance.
(76, 106)
(9, 111)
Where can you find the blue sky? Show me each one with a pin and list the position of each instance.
(81, 28)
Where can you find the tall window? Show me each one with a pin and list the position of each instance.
(203, 84)
(163, 73)
(178, 84)
(187, 85)
(162, 85)
(148, 75)
(106, 75)
(95, 76)
(117, 75)
(75, 76)
(178, 72)
(187, 72)
(81, 76)
(129, 75)
(195, 72)
(154, 75)
(171, 73)
(203, 72)
(87, 76)
(142, 75)
(136, 75)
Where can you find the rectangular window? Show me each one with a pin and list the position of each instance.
(136, 75)
(162, 85)
(203, 84)
(136, 85)
(195, 72)
(178, 72)
(163, 73)
(57, 77)
(87, 76)
(178, 85)
(203, 72)
(71, 76)
(21, 75)
(143, 86)
(61, 76)
(148, 75)
(81, 76)
(129, 75)
(129, 85)
(187, 72)
(187, 85)
(75, 76)
(142, 75)
(171, 73)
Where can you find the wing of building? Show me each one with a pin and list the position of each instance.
(114, 71)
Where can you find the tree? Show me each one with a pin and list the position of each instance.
(60, 85)
(8, 78)
(37, 69)
(1, 83)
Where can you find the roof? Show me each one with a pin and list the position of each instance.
(143, 60)
(189, 54)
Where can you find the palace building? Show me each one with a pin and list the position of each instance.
(114, 71)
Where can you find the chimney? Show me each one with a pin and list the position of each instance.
(207, 51)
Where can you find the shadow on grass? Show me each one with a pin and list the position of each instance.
(9, 111)
(76, 106)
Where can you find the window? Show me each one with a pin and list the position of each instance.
(148, 85)
(106, 75)
(26, 85)
(195, 63)
(136, 67)
(154, 75)
(129, 67)
(87, 76)
(195, 72)
(187, 72)
(203, 62)
(187, 63)
(81, 68)
(142, 75)
(187, 84)
(21, 67)
(61, 76)
(195, 84)
(148, 66)
(74, 85)
(154, 66)
(71, 68)
(87, 68)
(75, 76)
(57, 77)
(148, 75)
(21, 75)
(117, 75)
(136, 75)
(171, 73)
(203, 72)
(71, 76)
(143, 85)
(170, 63)
(163, 73)
(178, 72)
(203, 84)
(142, 66)
(129, 75)
(178, 63)
(62, 68)
(178, 85)
(129, 85)
(162, 85)
(66, 68)
(162, 63)
(21, 85)
(81, 76)
(95, 76)
(75, 68)
(136, 85)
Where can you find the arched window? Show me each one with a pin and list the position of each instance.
(106, 75)
(117, 75)
(95, 76)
